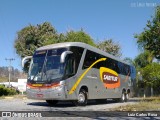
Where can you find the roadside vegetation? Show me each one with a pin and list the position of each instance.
(147, 63)
(4, 91)
(147, 104)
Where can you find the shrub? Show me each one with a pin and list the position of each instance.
(7, 91)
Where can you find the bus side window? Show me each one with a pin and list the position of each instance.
(77, 52)
(90, 58)
(70, 66)
(120, 66)
(115, 66)
(112, 64)
(128, 70)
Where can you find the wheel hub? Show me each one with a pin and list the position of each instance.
(81, 98)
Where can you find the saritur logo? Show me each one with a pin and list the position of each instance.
(110, 78)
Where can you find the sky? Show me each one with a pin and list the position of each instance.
(101, 19)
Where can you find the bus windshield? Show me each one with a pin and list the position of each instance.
(53, 68)
(45, 66)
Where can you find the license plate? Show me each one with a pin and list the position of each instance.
(39, 95)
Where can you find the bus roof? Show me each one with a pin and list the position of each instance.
(80, 44)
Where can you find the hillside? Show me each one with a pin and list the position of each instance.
(15, 74)
(3, 79)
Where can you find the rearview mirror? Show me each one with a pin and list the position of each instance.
(63, 56)
(25, 59)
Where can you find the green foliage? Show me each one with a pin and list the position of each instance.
(32, 37)
(150, 77)
(149, 39)
(110, 47)
(143, 59)
(129, 60)
(7, 91)
(79, 36)
(151, 74)
(140, 62)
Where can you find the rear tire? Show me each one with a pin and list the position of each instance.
(52, 102)
(123, 98)
(82, 98)
(127, 97)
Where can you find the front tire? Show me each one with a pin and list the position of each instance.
(82, 98)
(52, 102)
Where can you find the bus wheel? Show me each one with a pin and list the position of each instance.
(82, 98)
(127, 97)
(52, 102)
(123, 98)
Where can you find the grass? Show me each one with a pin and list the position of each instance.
(19, 96)
(2, 97)
(146, 104)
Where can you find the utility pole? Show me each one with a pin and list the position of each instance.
(9, 68)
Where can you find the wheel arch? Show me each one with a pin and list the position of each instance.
(128, 91)
(123, 90)
(84, 87)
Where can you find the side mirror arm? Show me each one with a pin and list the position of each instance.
(63, 56)
(24, 59)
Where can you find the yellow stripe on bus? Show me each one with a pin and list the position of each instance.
(79, 80)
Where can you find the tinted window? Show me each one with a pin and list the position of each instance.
(124, 69)
(77, 54)
(40, 53)
(110, 63)
(90, 58)
(56, 51)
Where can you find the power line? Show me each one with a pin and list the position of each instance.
(9, 68)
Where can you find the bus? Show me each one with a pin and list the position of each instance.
(77, 72)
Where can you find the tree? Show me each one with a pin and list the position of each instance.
(151, 75)
(110, 47)
(149, 39)
(32, 37)
(129, 60)
(143, 63)
(78, 36)
(143, 59)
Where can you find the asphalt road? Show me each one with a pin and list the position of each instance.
(64, 109)
(24, 104)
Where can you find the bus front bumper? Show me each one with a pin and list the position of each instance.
(56, 93)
